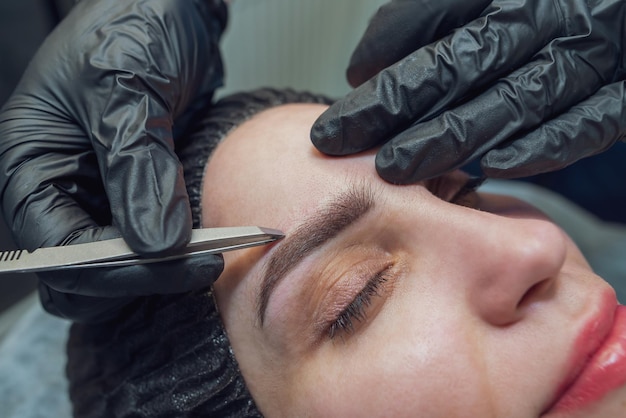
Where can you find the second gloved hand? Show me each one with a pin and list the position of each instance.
(527, 86)
(87, 140)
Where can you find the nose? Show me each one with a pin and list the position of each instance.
(516, 265)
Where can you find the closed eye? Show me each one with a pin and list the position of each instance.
(357, 310)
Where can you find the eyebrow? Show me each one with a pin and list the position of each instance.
(341, 212)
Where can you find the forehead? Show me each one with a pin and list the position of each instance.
(266, 171)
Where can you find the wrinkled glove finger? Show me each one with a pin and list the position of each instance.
(148, 197)
(50, 184)
(512, 107)
(80, 308)
(166, 60)
(424, 83)
(174, 276)
(590, 127)
(403, 26)
(103, 293)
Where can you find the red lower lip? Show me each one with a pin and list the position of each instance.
(605, 371)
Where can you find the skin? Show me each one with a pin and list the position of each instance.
(477, 315)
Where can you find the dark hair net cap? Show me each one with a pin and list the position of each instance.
(169, 355)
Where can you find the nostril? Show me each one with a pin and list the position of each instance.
(540, 291)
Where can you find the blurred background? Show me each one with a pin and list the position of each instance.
(303, 44)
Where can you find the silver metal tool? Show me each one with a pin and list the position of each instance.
(115, 252)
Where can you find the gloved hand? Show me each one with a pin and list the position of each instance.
(87, 139)
(528, 86)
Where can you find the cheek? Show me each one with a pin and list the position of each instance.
(403, 364)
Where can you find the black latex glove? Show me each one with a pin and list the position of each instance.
(87, 139)
(528, 86)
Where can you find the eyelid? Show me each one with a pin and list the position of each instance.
(361, 308)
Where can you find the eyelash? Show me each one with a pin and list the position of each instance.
(357, 309)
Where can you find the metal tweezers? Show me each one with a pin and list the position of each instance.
(115, 252)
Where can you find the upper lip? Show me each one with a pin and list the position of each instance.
(588, 341)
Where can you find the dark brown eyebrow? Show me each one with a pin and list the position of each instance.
(313, 232)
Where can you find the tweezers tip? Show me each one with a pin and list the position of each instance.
(274, 233)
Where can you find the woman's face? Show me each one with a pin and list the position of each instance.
(388, 300)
